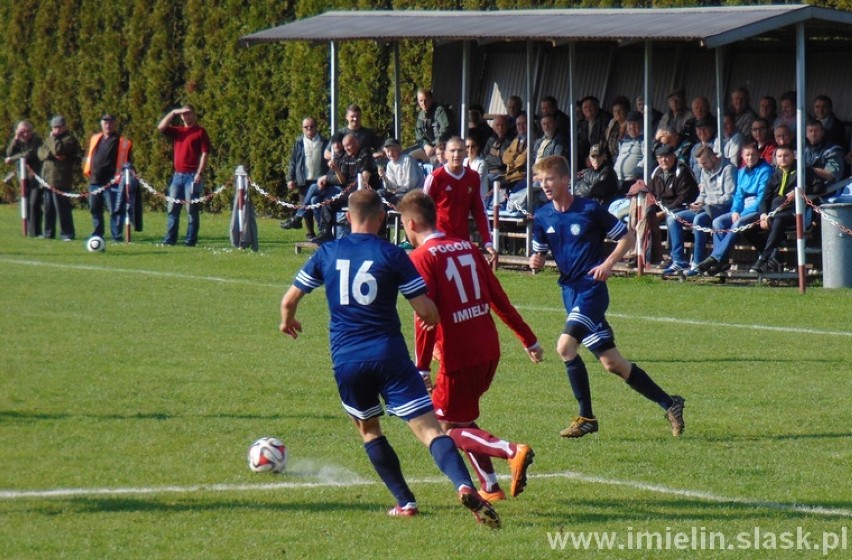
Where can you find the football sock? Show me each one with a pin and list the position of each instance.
(443, 450)
(386, 464)
(579, 378)
(475, 440)
(484, 469)
(645, 386)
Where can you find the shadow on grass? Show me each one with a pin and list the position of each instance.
(28, 416)
(164, 505)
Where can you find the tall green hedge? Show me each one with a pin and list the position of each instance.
(140, 58)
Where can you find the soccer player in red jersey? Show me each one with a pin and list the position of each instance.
(464, 288)
(456, 192)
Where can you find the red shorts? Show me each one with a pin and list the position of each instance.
(456, 394)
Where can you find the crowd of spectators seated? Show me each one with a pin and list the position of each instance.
(702, 176)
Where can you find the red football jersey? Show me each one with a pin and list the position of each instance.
(464, 288)
(456, 199)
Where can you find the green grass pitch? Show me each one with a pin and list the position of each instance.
(133, 381)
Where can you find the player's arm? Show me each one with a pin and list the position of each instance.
(426, 310)
(511, 318)
(624, 244)
(289, 304)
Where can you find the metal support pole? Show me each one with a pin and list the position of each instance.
(529, 175)
(22, 180)
(333, 86)
(397, 96)
(646, 131)
(720, 114)
(128, 207)
(800, 153)
(465, 88)
(572, 113)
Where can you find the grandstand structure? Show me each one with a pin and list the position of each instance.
(485, 56)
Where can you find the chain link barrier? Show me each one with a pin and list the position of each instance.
(510, 204)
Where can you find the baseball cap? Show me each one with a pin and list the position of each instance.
(392, 142)
(56, 121)
(107, 117)
(664, 150)
(634, 116)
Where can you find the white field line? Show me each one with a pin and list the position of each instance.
(271, 486)
(282, 287)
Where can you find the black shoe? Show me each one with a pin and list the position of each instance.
(632, 262)
(293, 222)
(759, 267)
(773, 264)
(322, 238)
(310, 234)
(707, 264)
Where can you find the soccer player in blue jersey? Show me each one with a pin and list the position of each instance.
(573, 229)
(362, 275)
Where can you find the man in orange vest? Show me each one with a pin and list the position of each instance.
(107, 154)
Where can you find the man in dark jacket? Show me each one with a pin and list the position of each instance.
(305, 167)
(60, 155)
(598, 182)
(25, 146)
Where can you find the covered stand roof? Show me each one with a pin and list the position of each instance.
(711, 27)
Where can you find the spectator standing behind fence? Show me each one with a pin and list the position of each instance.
(108, 152)
(305, 167)
(434, 124)
(402, 174)
(191, 146)
(573, 230)
(367, 137)
(60, 155)
(24, 145)
(718, 183)
(751, 184)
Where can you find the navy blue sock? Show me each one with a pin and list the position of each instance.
(645, 386)
(578, 375)
(443, 450)
(386, 463)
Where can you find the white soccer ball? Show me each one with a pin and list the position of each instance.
(268, 454)
(95, 244)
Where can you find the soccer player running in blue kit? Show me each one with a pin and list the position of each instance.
(573, 229)
(362, 274)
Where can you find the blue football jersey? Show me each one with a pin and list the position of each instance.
(362, 275)
(575, 237)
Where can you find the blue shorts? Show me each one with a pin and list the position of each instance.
(397, 381)
(586, 305)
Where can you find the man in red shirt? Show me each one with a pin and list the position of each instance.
(464, 288)
(455, 190)
(191, 151)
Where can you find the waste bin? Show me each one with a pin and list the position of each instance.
(836, 245)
